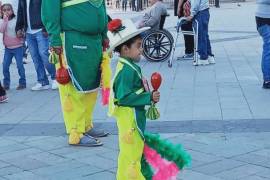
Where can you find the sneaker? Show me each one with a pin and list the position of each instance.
(20, 87)
(3, 99)
(211, 60)
(186, 57)
(39, 87)
(200, 62)
(266, 85)
(54, 85)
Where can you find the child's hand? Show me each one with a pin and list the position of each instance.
(155, 96)
(20, 34)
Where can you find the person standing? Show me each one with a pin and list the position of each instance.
(77, 32)
(189, 39)
(263, 27)
(29, 21)
(13, 46)
(200, 11)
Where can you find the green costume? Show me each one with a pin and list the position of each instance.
(84, 27)
(141, 153)
(80, 27)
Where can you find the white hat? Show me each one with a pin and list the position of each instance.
(130, 30)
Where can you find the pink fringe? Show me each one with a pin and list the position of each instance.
(105, 96)
(164, 170)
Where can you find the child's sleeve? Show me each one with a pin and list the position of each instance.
(3, 25)
(51, 14)
(126, 95)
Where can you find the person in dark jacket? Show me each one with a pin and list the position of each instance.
(29, 24)
(189, 39)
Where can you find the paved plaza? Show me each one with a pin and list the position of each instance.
(219, 113)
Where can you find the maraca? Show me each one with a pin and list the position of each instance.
(62, 75)
(152, 112)
(156, 80)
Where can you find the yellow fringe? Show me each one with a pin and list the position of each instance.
(132, 173)
(106, 71)
(128, 136)
(74, 137)
(67, 104)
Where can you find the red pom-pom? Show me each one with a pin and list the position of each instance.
(62, 76)
(114, 25)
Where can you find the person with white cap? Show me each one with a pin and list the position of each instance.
(129, 96)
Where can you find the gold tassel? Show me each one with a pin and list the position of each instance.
(74, 137)
(128, 136)
(67, 104)
(132, 173)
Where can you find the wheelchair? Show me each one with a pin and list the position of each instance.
(157, 44)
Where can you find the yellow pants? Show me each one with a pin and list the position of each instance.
(77, 107)
(130, 144)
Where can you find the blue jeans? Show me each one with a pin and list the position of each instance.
(38, 46)
(265, 33)
(204, 46)
(9, 54)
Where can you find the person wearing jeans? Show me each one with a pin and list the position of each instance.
(18, 54)
(29, 21)
(200, 13)
(263, 26)
(38, 46)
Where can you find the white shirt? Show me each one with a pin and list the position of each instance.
(29, 30)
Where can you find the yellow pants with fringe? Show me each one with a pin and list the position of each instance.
(131, 145)
(77, 108)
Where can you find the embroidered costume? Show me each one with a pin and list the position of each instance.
(142, 155)
(80, 27)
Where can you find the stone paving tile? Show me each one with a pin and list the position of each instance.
(49, 143)
(19, 154)
(3, 164)
(218, 166)
(9, 170)
(255, 159)
(265, 173)
(49, 158)
(57, 168)
(240, 172)
(76, 173)
(98, 162)
(253, 178)
(25, 175)
(27, 163)
(192, 175)
(104, 175)
(13, 147)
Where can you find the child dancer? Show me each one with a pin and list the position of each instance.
(142, 155)
(13, 46)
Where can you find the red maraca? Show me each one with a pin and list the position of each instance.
(156, 80)
(62, 75)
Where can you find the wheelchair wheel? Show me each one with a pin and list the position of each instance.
(157, 45)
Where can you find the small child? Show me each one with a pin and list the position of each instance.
(142, 155)
(13, 46)
(3, 97)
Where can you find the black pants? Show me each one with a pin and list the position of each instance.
(189, 39)
(2, 91)
(124, 5)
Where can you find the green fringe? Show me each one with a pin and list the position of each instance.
(146, 169)
(168, 150)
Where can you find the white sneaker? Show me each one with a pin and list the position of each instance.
(39, 87)
(211, 60)
(200, 63)
(54, 85)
